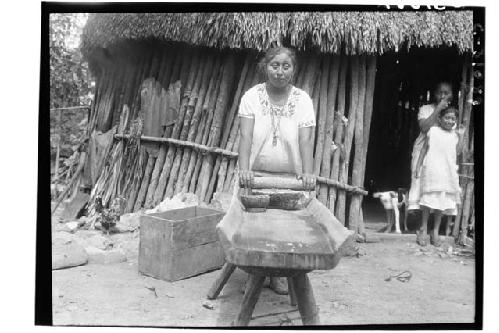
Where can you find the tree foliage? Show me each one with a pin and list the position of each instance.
(69, 81)
(69, 84)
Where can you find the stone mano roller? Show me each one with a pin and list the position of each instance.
(275, 192)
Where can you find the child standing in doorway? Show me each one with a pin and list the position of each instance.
(437, 167)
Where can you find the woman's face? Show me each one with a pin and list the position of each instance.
(443, 92)
(448, 121)
(280, 70)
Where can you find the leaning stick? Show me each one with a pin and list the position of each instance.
(136, 180)
(81, 164)
(141, 195)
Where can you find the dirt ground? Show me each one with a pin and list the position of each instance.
(441, 290)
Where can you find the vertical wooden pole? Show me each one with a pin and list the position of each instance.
(370, 90)
(330, 123)
(321, 124)
(358, 147)
(344, 168)
(468, 104)
(311, 74)
(466, 212)
(339, 132)
(463, 92)
(464, 208)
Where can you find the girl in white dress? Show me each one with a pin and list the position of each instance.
(437, 170)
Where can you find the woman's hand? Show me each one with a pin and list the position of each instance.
(460, 130)
(443, 104)
(246, 178)
(308, 180)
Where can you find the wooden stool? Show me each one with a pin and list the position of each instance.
(301, 290)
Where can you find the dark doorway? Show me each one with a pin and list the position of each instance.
(405, 81)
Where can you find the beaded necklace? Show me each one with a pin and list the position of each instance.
(276, 111)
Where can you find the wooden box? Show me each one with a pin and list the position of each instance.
(180, 243)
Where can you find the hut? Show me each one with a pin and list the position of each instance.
(168, 87)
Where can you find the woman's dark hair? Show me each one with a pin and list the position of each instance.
(448, 83)
(273, 52)
(449, 109)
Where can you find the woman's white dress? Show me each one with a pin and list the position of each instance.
(414, 195)
(275, 142)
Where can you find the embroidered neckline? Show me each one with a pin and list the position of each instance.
(276, 112)
(287, 110)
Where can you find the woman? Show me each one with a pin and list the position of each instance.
(428, 116)
(276, 138)
(277, 127)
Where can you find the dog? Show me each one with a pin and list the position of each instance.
(393, 202)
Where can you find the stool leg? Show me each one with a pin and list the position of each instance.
(291, 292)
(250, 298)
(216, 288)
(305, 298)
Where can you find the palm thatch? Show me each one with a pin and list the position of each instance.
(359, 32)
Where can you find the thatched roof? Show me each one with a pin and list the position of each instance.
(360, 32)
